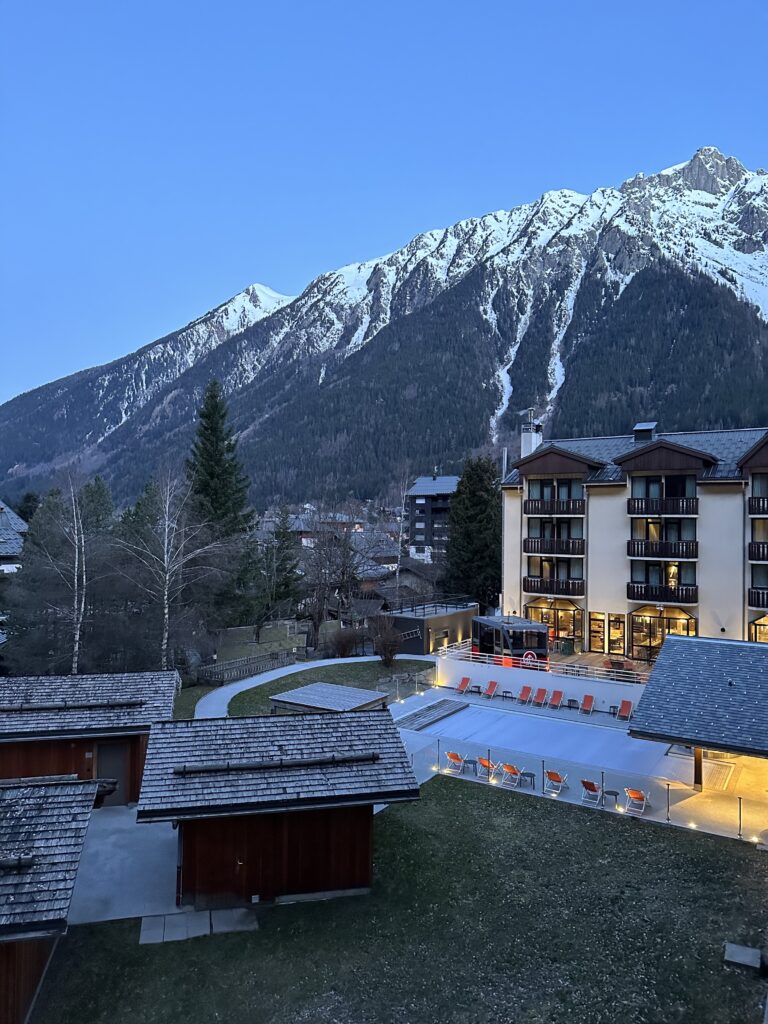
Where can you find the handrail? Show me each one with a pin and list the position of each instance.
(462, 651)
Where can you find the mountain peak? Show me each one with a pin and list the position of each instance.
(708, 170)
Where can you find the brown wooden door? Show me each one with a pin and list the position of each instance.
(113, 762)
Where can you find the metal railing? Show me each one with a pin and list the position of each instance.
(463, 652)
(242, 668)
(663, 506)
(758, 506)
(683, 594)
(552, 585)
(555, 506)
(758, 551)
(553, 545)
(758, 597)
(663, 548)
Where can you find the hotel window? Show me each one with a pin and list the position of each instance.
(760, 529)
(758, 630)
(760, 577)
(760, 485)
(664, 574)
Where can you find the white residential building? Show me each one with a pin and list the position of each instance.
(615, 542)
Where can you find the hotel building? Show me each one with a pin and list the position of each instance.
(615, 542)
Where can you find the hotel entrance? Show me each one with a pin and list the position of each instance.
(649, 626)
(607, 633)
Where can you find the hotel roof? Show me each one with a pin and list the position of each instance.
(725, 446)
(36, 706)
(43, 823)
(228, 766)
(707, 693)
(424, 486)
(330, 697)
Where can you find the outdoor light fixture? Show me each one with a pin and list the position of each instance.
(692, 824)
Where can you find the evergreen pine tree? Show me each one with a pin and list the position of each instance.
(28, 505)
(474, 539)
(219, 484)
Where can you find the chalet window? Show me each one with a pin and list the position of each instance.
(760, 485)
(760, 577)
(760, 529)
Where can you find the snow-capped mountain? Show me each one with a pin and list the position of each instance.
(430, 351)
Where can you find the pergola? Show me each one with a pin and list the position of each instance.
(707, 694)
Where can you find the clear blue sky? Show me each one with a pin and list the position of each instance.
(160, 155)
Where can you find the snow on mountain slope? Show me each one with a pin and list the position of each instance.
(523, 271)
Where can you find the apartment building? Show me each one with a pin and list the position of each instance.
(428, 505)
(615, 542)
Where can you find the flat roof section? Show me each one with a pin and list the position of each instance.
(330, 697)
(707, 693)
(49, 706)
(42, 830)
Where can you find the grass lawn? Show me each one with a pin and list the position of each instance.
(187, 698)
(488, 906)
(370, 675)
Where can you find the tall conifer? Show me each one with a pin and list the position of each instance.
(474, 538)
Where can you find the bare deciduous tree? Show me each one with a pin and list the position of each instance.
(386, 638)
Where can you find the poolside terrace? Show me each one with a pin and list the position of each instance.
(596, 748)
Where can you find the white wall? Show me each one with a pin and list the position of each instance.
(720, 569)
(607, 693)
(512, 568)
(607, 569)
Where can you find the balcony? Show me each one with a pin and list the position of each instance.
(555, 506)
(655, 593)
(663, 506)
(555, 587)
(663, 548)
(758, 506)
(758, 551)
(758, 597)
(553, 546)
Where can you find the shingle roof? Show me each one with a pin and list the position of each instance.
(426, 485)
(330, 697)
(9, 519)
(727, 446)
(74, 705)
(709, 693)
(11, 542)
(42, 829)
(274, 762)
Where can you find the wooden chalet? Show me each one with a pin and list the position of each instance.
(92, 726)
(274, 807)
(43, 823)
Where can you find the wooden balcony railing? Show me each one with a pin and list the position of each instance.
(555, 587)
(758, 597)
(663, 506)
(555, 506)
(758, 551)
(663, 548)
(654, 592)
(553, 546)
(758, 506)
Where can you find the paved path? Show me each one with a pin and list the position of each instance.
(216, 704)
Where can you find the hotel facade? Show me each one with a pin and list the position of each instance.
(615, 542)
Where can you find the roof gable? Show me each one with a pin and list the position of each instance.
(757, 456)
(664, 454)
(551, 458)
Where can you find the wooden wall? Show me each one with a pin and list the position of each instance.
(226, 861)
(22, 966)
(28, 758)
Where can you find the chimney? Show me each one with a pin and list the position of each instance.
(434, 473)
(530, 434)
(644, 432)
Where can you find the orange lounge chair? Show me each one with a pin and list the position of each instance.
(488, 768)
(554, 783)
(463, 685)
(590, 792)
(625, 710)
(636, 801)
(587, 705)
(511, 775)
(455, 762)
(556, 700)
(540, 698)
(524, 697)
(491, 688)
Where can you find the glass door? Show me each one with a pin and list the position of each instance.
(597, 632)
(616, 638)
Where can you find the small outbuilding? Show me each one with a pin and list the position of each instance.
(428, 626)
(42, 830)
(707, 694)
(274, 807)
(328, 697)
(92, 726)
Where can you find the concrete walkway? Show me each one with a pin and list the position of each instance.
(216, 704)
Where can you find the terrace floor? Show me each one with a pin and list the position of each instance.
(486, 906)
(733, 803)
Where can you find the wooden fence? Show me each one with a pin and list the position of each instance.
(241, 668)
